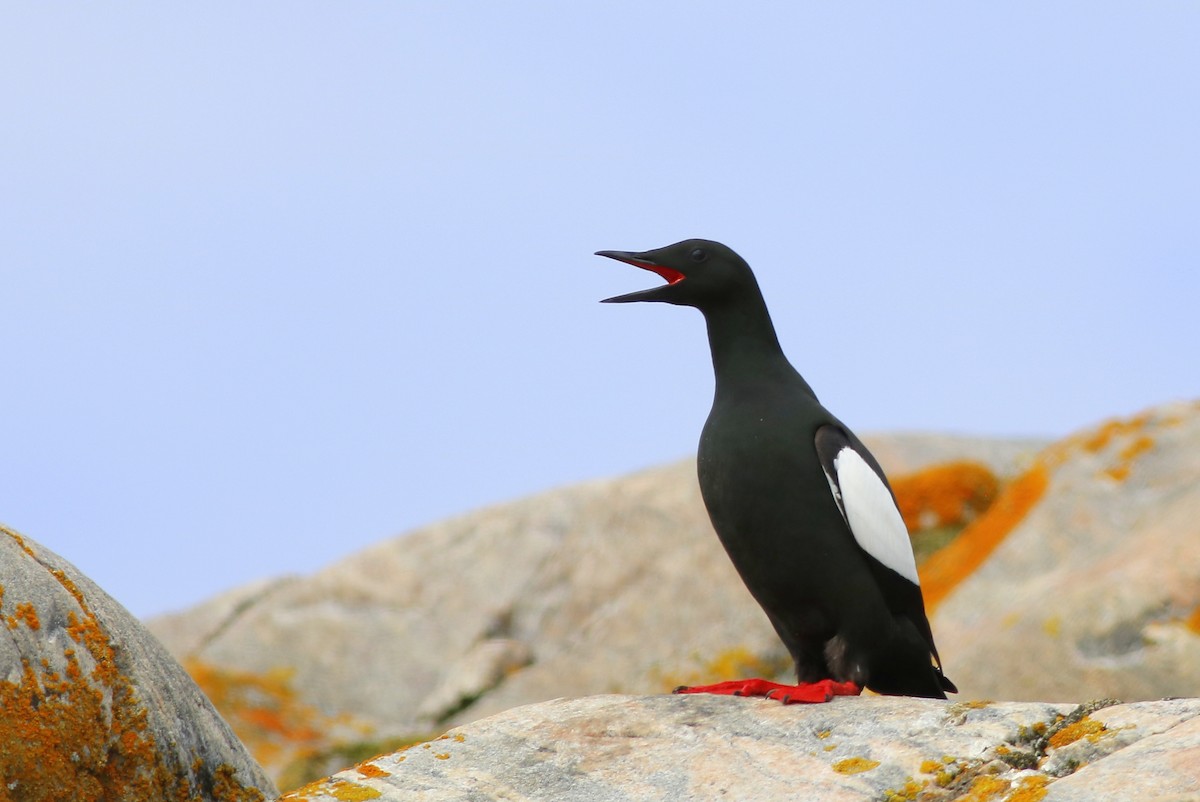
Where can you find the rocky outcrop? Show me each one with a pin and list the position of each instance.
(1084, 578)
(609, 586)
(1081, 580)
(698, 748)
(92, 707)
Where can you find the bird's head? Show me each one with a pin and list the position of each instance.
(698, 272)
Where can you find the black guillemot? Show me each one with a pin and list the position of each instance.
(801, 506)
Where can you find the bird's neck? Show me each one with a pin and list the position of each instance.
(743, 341)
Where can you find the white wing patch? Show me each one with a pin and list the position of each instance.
(872, 515)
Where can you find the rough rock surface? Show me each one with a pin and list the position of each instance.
(1081, 581)
(624, 748)
(1096, 589)
(609, 586)
(92, 707)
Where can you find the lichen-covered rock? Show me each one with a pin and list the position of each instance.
(92, 707)
(1159, 765)
(625, 749)
(606, 586)
(1084, 578)
(1081, 580)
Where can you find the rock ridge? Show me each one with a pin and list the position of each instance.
(629, 748)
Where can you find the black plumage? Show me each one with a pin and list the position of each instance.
(802, 508)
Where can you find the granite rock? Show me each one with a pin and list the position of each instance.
(625, 749)
(1095, 590)
(607, 586)
(93, 707)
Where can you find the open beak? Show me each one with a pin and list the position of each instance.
(670, 274)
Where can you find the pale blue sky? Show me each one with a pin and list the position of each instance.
(282, 279)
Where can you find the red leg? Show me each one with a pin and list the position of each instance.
(821, 691)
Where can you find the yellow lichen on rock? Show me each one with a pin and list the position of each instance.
(984, 788)
(854, 765)
(1029, 789)
(336, 787)
(732, 663)
(1086, 727)
(930, 767)
(909, 792)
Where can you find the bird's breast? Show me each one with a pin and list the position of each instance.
(757, 470)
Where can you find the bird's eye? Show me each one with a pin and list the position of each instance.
(699, 255)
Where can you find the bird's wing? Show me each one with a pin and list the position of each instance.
(866, 501)
(869, 508)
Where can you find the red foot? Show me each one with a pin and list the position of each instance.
(808, 692)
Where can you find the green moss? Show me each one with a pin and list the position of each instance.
(1029, 749)
(926, 541)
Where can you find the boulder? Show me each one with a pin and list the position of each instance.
(608, 586)
(92, 707)
(626, 748)
(1083, 579)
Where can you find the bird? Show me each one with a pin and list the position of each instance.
(799, 503)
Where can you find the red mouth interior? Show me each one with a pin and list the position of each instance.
(671, 275)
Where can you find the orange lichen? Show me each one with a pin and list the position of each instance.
(985, 787)
(950, 494)
(1085, 727)
(336, 787)
(1127, 455)
(226, 786)
(972, 704)
(1193, 620)
(1098, 439)
(854, 765)
(23, 613)
(1137, 447)
(908, 792)
(264, 711)
(950, 565)
(371, 770)
(1118, 472)
(78, 731)
(1103, 436)
(20, 541)
(69, 586)
(1030, 788)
